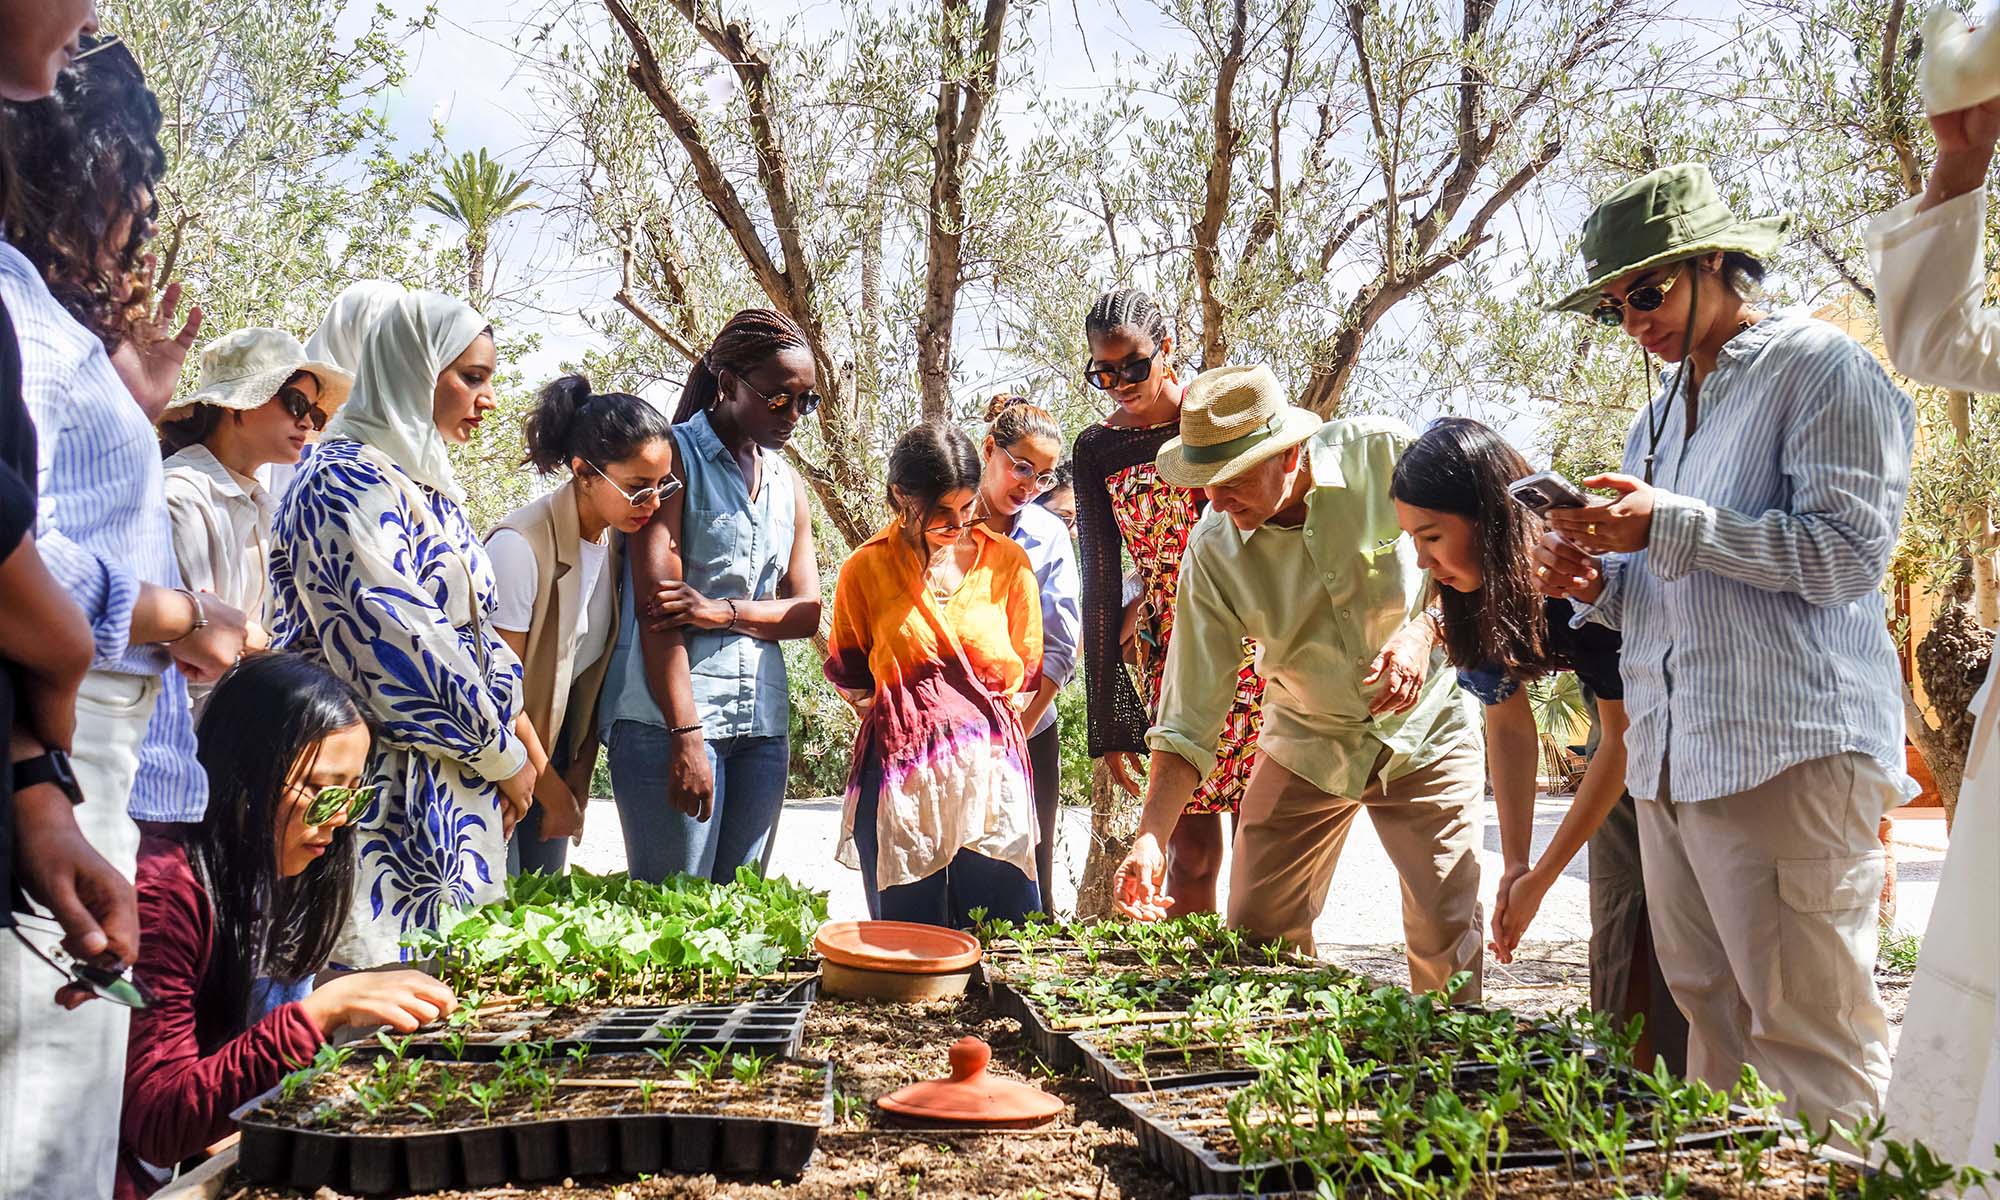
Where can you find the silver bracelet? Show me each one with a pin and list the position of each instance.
(200, 616)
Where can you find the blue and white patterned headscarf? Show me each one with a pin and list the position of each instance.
(402, 355)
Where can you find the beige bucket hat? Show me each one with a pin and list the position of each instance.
(1232, 418)
(244, 369)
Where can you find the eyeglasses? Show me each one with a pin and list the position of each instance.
(952, 526)
(1106, 378)
(106, 983)
(1611, 312)
(642, 497)
(329, 802)
(1024, 471)
(299, 406)
(806, 403)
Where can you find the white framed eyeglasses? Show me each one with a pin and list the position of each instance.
(643, 496)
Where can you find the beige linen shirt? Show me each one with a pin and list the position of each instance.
(222, 530)
(1320, 600)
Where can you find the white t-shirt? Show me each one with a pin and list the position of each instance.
(517, 579)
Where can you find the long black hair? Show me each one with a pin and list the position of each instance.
(745, 342)
(571, 421)
(1460, 466)
(265, 714)
(929, 462)
(86, 161)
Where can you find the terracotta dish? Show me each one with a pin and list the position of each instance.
(971, 1096)
(894, 960)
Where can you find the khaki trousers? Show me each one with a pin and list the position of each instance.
(1289, 835)
(62, 1073)
(1763, 908)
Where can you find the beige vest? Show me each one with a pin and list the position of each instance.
(555, 689)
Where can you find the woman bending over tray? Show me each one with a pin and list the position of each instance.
(257, 890)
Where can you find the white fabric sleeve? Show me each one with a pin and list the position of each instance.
(517, 577)
(1930, 292)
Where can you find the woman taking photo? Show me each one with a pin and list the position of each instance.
(377, 572)
(260, 401)
(696, 713)
(937, 643)
(255, 891)
(1477, 542)
(558, 573)
(1022, 445)
(1123, 507)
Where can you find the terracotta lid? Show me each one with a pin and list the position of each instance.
(902, 947)
(971, 1096)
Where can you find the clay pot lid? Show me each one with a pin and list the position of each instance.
(971, 1096)
(901, 947)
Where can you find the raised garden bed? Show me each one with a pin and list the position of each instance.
(391, 1123)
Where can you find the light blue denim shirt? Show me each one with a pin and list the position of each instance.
(1046, 539)
(732, 547)
(1755, 636)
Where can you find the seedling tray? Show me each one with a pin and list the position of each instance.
(763, 1027)
(622, 1144)
(1193, 1164)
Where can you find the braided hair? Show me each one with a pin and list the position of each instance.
(745, 342)
(1127, 308)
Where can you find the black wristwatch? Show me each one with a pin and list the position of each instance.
(50, 766)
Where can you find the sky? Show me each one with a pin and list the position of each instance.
(468, 75)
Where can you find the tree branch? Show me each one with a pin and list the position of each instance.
(1817, 241)
(1215, 193)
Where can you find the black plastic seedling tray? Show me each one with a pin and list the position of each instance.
(1190, 1162)
(761, 1027)
(1116, 1078)
(621, 1144)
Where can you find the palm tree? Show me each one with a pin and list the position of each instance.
(479, 193)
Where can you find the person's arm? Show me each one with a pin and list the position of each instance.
(1024, 627)
(1199, 683)
(44, 636)
(794, 614)
(1139, 887)
(653, 556)
(562, 815)
(178, 1100)
(1513, 754)
(849, 641)
(380, 628)
(1603, 784)
(1062, 619)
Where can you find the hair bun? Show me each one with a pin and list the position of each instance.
(1001, 402)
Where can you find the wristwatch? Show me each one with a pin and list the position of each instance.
(50, 766)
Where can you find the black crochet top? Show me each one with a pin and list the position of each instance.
(1117, 717)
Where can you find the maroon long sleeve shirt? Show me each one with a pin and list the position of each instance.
(183, 1074)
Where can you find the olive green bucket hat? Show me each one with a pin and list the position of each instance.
(1672, 213)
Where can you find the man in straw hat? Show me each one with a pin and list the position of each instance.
(1742, 559)
(1300, 550)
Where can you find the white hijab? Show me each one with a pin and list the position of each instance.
(404, 352)
(347, 320)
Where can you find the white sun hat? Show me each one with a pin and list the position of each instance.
(244, 369)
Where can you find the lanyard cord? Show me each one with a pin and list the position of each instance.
(1654, 430)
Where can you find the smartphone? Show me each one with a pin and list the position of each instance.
(1546, 490)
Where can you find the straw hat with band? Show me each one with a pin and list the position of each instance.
(1232, 418)
(1672, 213)
(1669, 215)
(244, 370)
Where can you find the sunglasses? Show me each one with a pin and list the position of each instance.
(806, 403)
(299, 407)
(1105, 378)
(642, 497)
(1611, 313)
(1024, 471)
(106, 983)
(330, 802)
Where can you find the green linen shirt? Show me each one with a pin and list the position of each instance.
(1321, 600)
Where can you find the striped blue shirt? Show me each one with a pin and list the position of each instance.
(1755, 631)
(102, 526)
(1053, 558)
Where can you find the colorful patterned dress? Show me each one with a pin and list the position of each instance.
(1123, 503)
(383, 580)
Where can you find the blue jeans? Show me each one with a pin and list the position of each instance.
(660, 840)
(526, 851)
(947, 897)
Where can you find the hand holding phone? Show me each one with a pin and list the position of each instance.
(1547, 490)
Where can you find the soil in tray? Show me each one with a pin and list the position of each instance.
(1087, 1153)
(1788, 1173)
(787, 1092)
